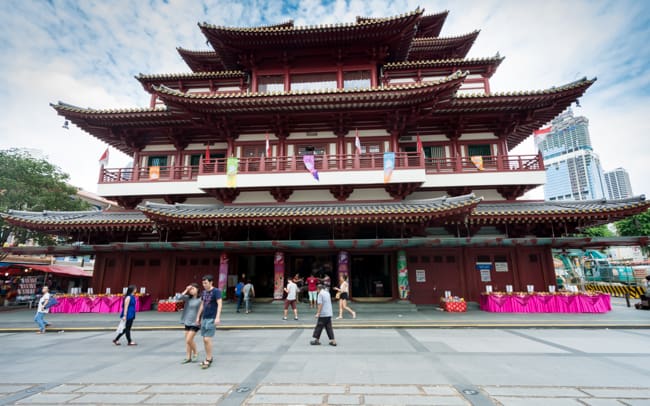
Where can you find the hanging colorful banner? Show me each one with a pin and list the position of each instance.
(308, 160)
(231, 171)
(477, 160)
(154, 172)
(402, 276)
(278, 280)
(223, 274)
(343, 267)
(389, 165)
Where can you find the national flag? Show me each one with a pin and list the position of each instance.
(232, 166)
(420, 148)
(103, 160)
(541, 134)
(207, 152)
(308, 160)
(268, 146)
(357, 142)
(477, 160)
(389, 165)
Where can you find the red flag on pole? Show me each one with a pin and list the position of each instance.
(103, 160)
(420, 147)
(268, 146)
(357, 142)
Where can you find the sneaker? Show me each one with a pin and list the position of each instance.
(333, 343)
(295, 318)
(284, 318)
(314, 342)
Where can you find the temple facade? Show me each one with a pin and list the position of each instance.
(373, 149)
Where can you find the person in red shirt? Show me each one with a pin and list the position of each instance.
(312, 283)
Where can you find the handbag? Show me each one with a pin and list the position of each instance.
(338, 295)
(120, 327)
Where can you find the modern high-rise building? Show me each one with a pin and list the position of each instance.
(573, 170)
(618, 184)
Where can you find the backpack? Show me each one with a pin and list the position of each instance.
(51, 302)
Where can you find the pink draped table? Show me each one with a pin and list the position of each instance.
(546, 303)
(98, 304)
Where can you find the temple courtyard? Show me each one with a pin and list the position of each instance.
(382, 359)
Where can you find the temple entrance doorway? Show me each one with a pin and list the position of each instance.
(259, 269)
(303, 265)
(371, 276)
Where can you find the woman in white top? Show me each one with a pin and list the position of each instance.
(344, 295)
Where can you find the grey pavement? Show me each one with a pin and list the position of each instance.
(392, 354)
(378, 315)
(378, 366)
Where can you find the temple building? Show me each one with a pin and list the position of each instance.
(373, 149)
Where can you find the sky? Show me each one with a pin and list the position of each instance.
(87, 53)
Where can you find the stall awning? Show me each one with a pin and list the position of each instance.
(64, 270)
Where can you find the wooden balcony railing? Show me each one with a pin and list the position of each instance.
(323, 163)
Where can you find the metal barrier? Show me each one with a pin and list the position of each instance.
(616, 290)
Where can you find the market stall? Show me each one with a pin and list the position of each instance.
(546, 302)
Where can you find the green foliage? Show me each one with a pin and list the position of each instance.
(635, 226)
(638, 225)
(32, 184)
(598, 231)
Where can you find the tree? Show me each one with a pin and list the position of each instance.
(638, 225)
(31, 184)
(597, 231)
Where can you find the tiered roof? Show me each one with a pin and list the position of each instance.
(457, 209)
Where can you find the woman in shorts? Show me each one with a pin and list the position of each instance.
(190, 313)
(344, 295)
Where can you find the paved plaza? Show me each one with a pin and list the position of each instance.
(371, 366)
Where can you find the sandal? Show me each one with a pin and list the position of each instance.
(206, 363)
(116, 342)
(133, 343)
(186, 361)
(333, 343)
(314, 342)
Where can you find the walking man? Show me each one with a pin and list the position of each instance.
(42, 310)
(324, 316)
(292, 291)
(209, 316)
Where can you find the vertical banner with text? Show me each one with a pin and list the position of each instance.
(278, 277)
(223, 274)
(402, 276)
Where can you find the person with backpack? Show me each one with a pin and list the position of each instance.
(43, 309)
(239, 295)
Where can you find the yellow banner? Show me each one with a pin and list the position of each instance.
(154, 172)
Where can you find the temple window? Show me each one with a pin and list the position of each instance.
(313, 81)
(270, 83)
(157, 160)
(479, 149)
(255, 150)
(359, 79)
(310, 150)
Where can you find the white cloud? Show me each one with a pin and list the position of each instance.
(86, 53)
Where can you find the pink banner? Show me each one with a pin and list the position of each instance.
(278, 284)
(98, 304)
(546, 303)
(343, 267)
(223, 274)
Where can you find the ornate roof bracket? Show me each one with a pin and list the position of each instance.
(512, 192)
(281, 194)
(401, 190)
(129, 202)
(179, 141)
(173, 199)
(225, 195)
(341, 192)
